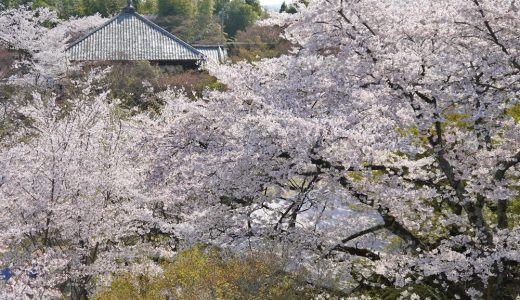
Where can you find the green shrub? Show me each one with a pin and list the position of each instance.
(136, 83)
(207, 273)
(192, 81)
(514, 112)
(259, 42)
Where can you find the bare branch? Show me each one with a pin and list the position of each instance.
(354, 236)
(355, 251)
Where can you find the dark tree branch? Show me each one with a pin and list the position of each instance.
(236, 202)
(390, 222)
(503, 167)
(362, 233)
(493, 35)
(490, 30)
(355, 251)
(474, 210)
(283, 216)
(354, 236)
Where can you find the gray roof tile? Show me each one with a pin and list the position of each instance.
(130, 36)
(214, 52)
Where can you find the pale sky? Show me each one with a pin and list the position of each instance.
(271, 3)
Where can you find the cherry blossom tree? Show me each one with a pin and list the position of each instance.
(400, 109)
(383, 155)
(74, 206)
(41, 38)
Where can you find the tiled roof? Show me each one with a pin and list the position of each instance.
(130, 36)
(215, 52)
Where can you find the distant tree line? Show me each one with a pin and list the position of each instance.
(292, 7)
(203, 21)
(70, 8)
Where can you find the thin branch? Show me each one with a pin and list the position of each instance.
(505, 165)
(355, 251)
(490, 29)
(354, 236)
(362, 233)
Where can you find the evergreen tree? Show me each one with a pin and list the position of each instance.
(88, 7)
(239, 15)
(4, 4)
(220, 4)
(165, 7)
(114, 6)
(205, 10)
(204, 13)
(68, 9)
(283, 8)
(255, 5)
(291, 9)
(147, 7)
(186, 8)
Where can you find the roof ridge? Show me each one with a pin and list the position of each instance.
(94, 31)
(143, 19)
(167, 33)
(207, 45)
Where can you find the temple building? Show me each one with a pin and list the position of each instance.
(130, 36)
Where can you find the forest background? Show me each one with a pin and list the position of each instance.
(200, 21)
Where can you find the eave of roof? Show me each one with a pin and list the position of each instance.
(215, 52)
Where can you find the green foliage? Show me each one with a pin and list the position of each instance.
(283, 8)
(456, 120)
(193, 82)
(239, 15)
(192, 20)
(146, 6)
(177, 25)
(165, 7)
(291, 8)
(130, 88)
(205, 11)
(105, 7)
(184, 8)
(4, 4)
(255, 4)
(423, 291)
(514, 111)
(69, 8)
(259, 42)
(207, 26)
(207, 273)
(141, 81)
(513, 210)
(220, 4)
